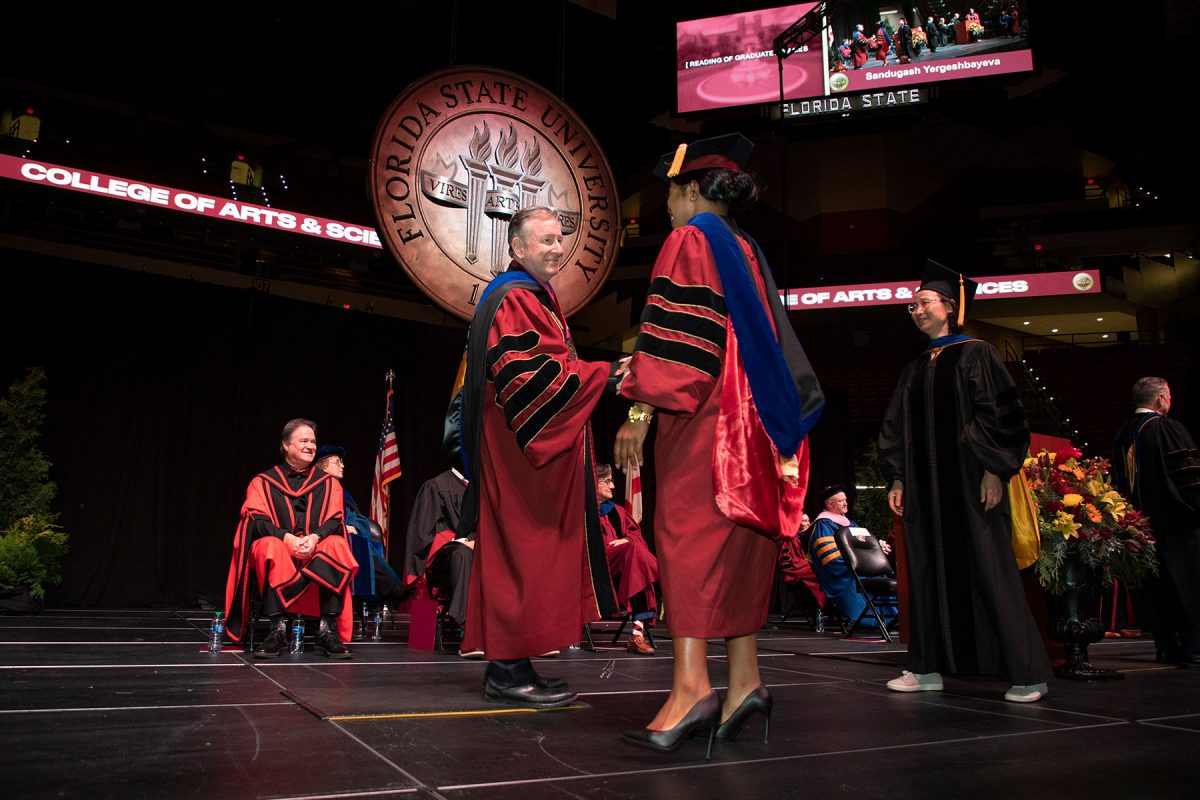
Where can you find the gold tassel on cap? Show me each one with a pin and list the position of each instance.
(962, 301)
(677, 162)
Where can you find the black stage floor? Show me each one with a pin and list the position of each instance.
(124, 703)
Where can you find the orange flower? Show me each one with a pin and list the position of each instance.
(1093, 513)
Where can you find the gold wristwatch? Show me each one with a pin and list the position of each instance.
(637, 414)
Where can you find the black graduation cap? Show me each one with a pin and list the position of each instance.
(950, 284)
(830, 491)
(327, 450)
(730, 151)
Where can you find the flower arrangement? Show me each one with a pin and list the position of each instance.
(1080, 512)
(975, 29)
(918, 37)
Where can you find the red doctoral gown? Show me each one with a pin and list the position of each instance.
(716, 575)
(255, 567)
(532, 583)
(632, 565)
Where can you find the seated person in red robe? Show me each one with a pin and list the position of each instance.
(794, 564)
(633, 568)
(290, 548)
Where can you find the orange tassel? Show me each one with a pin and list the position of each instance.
(962, 301)
(677, 162)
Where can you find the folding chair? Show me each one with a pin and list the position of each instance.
(873, 575)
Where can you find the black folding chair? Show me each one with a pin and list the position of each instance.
(873, 575)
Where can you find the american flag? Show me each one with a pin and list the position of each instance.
(387, 469)
(633, 492)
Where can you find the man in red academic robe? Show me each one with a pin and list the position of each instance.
(861, 46)
(539, 572)
(794, 563)
(290, 547)
(633, 567)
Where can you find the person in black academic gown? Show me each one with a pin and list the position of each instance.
(1158, 469)
(953, 436)
(431, 543)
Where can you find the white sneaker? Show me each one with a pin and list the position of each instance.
(470, 654)
(1026, 694)
(913, 682)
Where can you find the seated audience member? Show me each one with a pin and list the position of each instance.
(633, 568)
(793, 561)
(835, 576)
(431, 547)
(388, 585)
(290, 546)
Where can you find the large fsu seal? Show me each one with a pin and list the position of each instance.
(460, 151)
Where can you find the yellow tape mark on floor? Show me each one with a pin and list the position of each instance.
(428, 714)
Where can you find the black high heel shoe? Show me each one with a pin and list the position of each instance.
(705, 714)
(757, 701)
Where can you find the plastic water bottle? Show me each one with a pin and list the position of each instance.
(819, 622)
(297, 636)
(215, 632)
(377, 633)
(366, 620)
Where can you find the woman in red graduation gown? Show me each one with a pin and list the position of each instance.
(718, 360)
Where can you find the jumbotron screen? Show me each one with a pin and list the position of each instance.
(730, 60)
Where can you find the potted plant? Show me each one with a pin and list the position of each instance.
(1090, 535)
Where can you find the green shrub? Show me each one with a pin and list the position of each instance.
(870, 504)
(31, 550)
(25, 485)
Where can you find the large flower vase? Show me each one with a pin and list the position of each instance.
(1075, 621)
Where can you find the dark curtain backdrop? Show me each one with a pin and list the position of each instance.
(165, 396)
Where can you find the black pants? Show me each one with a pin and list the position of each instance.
(511, 672)
(330, 603)
(450, 573)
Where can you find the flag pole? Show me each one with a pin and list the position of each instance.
(387, 466)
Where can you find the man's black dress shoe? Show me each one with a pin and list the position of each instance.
(275, 643)
(705, 714)
(329, 644)
(757, 701)
(550, 683)
(529, 694)
(1179, 658)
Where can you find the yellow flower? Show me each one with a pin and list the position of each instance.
(1115, 503)
(1095, 488)
(1065, 524)
(1093, 513)
(1072, 500)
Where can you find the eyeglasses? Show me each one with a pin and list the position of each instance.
(922, 304)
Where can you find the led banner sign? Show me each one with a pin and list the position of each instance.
(1000, 287)
(844, 104)
(78, 180)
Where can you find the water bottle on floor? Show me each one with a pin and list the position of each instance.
(377, 632)
(215, 632)
(297, 636)
(819, 622)
(366, 621)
